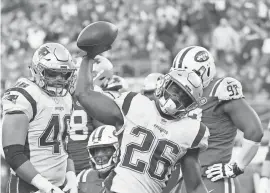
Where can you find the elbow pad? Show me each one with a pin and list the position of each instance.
(14, 155)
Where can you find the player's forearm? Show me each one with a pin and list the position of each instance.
(247, 153)
(26, 172)
(265, 172)
(85, 80)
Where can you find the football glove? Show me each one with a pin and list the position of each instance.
(72, 183)
(221, 170)
(264, 186)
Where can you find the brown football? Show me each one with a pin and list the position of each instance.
(97, 35)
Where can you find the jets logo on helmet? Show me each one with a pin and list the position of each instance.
(103, 148)
(201, 56)
(199, 60)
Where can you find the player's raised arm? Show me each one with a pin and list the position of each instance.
(96, 104)
(191, 170)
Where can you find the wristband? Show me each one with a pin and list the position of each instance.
(41, 183)
(71, 176)
(247, 153)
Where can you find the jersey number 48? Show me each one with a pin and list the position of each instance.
(53, 134)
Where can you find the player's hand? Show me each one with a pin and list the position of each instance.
(264, 186)
(221, 170)
(72, 183)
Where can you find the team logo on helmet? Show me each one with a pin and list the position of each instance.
(201, 56)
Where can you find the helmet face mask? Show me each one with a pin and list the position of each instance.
(53, 69)
(101, 157)
(103, 148)
(179, 92)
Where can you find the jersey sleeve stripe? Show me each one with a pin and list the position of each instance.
(30, 99)
(80, 175)
(215, 88)
(182, 57)
(127, 102)
(199, 136)
(84, 177)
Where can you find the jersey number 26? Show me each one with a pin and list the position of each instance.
(159, 162)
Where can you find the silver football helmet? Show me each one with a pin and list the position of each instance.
(179, 92)
(52, 69)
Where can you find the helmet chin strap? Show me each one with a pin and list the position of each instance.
(167, 106)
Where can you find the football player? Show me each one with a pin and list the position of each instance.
(35, 124)
(102, 71)
(224, 109)
(103, 150)
(82, 125)
(154, 136)
(150, 84)
(264, 186)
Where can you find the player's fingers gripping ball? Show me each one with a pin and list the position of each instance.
(97, 37)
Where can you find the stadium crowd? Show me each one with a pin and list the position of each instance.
(150, 34)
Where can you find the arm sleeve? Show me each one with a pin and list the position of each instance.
(16, 100)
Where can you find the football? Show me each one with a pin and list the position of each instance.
(97, 37)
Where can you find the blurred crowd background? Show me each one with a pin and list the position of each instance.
(151, 32)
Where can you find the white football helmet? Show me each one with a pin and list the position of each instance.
(198, 59)
(103, 148)
(102, 71)
(179, 92)
(117, 84)
(52, 69)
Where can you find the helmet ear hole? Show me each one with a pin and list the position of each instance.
(208, 72)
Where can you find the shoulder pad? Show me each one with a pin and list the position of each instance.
(87, 174)
(227, 89)
(21, 98)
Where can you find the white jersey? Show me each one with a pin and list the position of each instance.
(48, 123)
(151, 146)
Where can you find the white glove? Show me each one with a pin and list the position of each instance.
(264, 186)
(221, 170)
(72, 183)
(44, 185)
